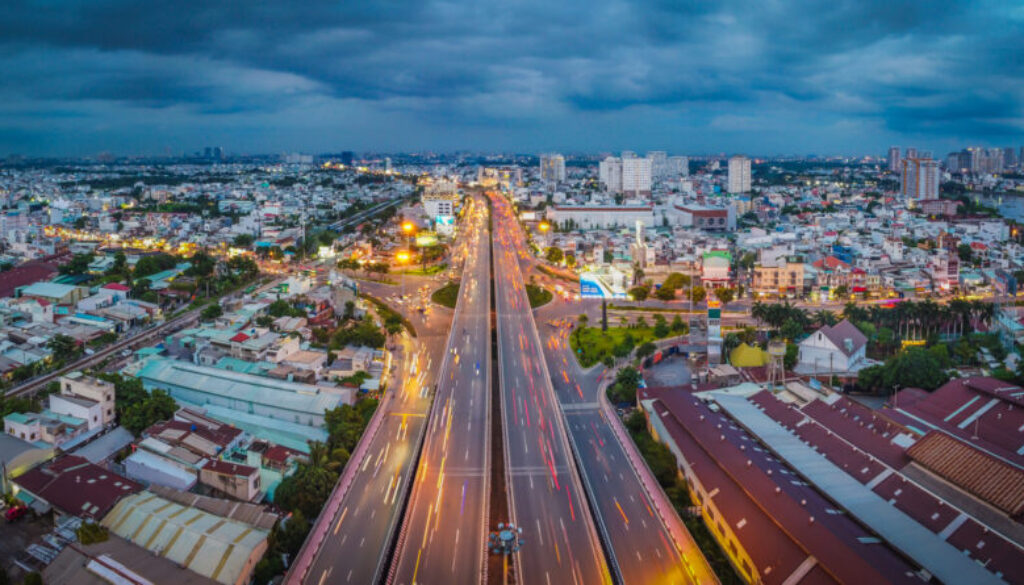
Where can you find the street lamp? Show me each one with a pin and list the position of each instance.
(403, 257)
(543, 227)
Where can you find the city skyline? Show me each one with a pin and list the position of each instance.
(834, 80)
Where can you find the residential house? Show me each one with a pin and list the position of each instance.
(834, 349)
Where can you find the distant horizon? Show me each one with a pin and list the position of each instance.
(845, 78)
(198, 153)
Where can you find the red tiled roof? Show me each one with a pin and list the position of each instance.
(830, 262)
(25, 275)
(226, 468)
(222, 435)
(239, 337)
(984, 476)
(77, 487)
(757, 477)
(280, 454)
(849, 422)
(985, 412)
(117, 286)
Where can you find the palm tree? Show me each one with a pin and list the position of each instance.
(638, 274)
(759, 311)
(912, 314)
(318, 457)
(824, 317)
(854, 312)
(961, 313)
(984, 311)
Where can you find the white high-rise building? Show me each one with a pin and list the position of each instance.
(636, 176)
(609, 172)
(552, 168)
(920, 179)
(678, 166)
(894, 159)
(659, 164)
(911, 153)
(628, 154)
(739, 174)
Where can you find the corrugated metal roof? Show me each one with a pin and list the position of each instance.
(210, 545)
(48, 289)
(984, 476)
(914, 540)
(280, 394)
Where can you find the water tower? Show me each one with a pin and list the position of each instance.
(776, 363)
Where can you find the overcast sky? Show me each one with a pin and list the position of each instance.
(764, 77)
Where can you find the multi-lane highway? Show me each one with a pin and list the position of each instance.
(358, 532)
(643, 550)
(351, 540)
(443, 537)
(545, 494)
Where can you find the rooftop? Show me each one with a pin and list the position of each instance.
(926, 548)
(77, 487)
(94, 564)
(978, 473)
(281, 394)
(215, 547)
(48, 290)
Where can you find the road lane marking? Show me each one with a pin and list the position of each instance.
(342, 517)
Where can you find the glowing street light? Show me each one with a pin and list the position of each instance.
(543, 227)
(408, 227)
(402, 257)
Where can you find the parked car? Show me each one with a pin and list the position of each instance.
(15, 513)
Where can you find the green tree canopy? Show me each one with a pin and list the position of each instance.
(698, 294)
(665, 293)
(639, 293)
(79, 264)
(211, 312)
(154, 263)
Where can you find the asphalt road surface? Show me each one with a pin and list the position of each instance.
(643, 549)
(362, 529)
(546, 497)
(443, 537)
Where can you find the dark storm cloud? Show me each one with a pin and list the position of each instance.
(939, 71)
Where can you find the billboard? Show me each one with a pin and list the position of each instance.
(426, 239)
(593, 286)
(590, 288)
(445, 224)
